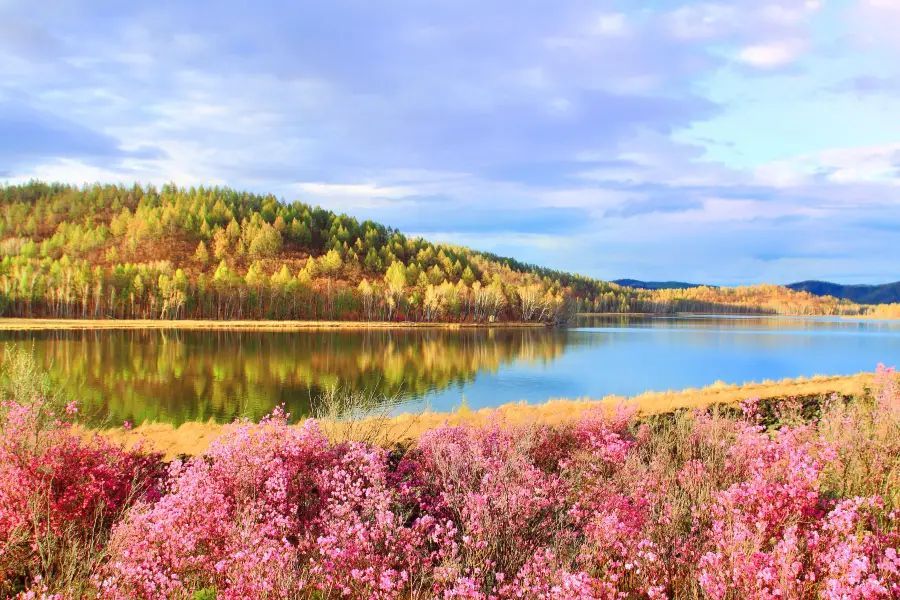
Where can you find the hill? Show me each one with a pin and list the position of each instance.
(887, 293)
(655, 285)
(119, 252)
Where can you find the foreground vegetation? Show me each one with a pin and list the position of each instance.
(110, 252)
(789, 501)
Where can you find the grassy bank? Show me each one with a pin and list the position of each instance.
(194, 438)
(50, 324)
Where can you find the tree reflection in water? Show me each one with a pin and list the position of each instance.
(177, 375)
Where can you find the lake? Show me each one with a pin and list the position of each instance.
(176, 376)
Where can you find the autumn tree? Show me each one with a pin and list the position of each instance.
(221, 244)
(201, 255)
(332, 262)
(266, 243)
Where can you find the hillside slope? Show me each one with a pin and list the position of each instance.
(887, 293)
(107, 251)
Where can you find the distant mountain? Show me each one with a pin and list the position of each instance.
(656, 285)
(887, 293)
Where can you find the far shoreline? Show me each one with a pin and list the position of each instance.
(737, 315)
(52, 324)
(22, 324)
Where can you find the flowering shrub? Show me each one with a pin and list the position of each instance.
(59, 495)
(229, 519)
(706, 505)
(502, 507)
(854, 551)
(757, 523)
(360, 546)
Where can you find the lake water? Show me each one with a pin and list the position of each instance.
(177, 375)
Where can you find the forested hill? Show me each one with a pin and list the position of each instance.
(863, 294)
(107, 251)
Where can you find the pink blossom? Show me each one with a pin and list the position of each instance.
(610, 507)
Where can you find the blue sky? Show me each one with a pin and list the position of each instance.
(723, 142)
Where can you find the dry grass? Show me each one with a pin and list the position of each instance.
(42, 324)
(361, 417)
(875, 317)
(194, 438)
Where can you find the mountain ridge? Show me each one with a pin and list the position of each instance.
(885, 293)
(658, 285)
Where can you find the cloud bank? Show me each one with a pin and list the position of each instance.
(727, 142)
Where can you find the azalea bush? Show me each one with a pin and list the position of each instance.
(720, 504)
(60, 495)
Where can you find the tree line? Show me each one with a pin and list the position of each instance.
(138, 252)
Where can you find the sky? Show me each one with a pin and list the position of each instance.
(716, 142)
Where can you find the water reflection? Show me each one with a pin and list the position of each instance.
(177, 376)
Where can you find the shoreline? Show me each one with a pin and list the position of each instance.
(22, 324)
(737, 315)
(194, 437)
(40, 324)
(870, 317)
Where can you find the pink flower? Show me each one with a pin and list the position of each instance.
(605, 508)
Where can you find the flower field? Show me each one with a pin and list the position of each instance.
(761, 502)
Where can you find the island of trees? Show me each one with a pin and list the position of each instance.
(141, 252)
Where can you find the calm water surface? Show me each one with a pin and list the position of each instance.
(188, 375)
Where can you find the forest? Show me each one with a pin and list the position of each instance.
(118, 252)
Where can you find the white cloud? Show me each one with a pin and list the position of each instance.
(128, 172)
(870, 163)
(731, 209)
(365, 190)
(789, 13)
(704, 21)
(865, 164)
(771, 55)
(739, 21)
(876, 22)
(886, 5)
(611, 24)
(560, 105)
(596, 199)
(498, 241)
(781, 174)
